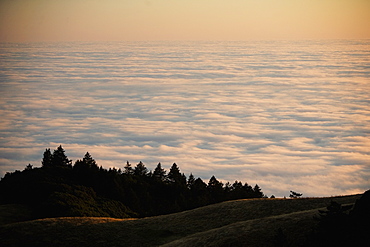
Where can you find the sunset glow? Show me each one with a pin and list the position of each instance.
(274, 92)
(93, 20)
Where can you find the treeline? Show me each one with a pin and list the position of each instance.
(59, 188)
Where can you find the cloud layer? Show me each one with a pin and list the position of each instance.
(285, 115)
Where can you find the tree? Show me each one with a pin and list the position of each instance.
(28, 167)
(140, 169)
(215, 188)
(199, 185)
(248, 191)
(199, 193)
(294, 194)
(237, 191)
(159, 173)
(240, 191)
(46, 160)
(191, 181)
(60, 159)
(128, 169)
(86, 163)
(214, 183)
(175, 177)
(90, 161)
(257, 191)
(227, 187)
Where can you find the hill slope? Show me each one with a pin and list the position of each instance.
(234, 223)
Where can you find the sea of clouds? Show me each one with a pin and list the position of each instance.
(285, 115)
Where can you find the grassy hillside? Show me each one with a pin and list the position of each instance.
(253, 222)
(11, 213)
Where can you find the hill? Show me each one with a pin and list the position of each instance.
(250, 222)
(60, 189)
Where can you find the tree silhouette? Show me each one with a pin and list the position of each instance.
(175, 177)
(199, 193)
(191, 181)
(128, 169)
(59, 159)
(29, 167)
(240, 191)
(237, 191)
(89, 190)
(216, 189)
(87, 159)
(257, 191)
(159, 173)
(47, 159)
(140, 169)
(294, 194)
(86, 163)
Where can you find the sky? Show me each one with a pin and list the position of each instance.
(283, 115)
(128, 20)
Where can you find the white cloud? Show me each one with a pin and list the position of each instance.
(277, 114)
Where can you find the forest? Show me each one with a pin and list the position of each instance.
(59, 188)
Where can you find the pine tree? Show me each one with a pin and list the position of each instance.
(47, 159)
(86, 163)
(237, 186)
(227, 189)
(159, 173)
(175, 177)
(237, 191)
(90, 161)
(294, 194)
(191, 181)
(128, 169)
(257, 191)
(60, 159)
(248, 191)
(29, 167)
(215, 188)
(199, 193)
(140, 169)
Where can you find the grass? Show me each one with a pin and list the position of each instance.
(255, 232)
(234, 223)
(12, 213)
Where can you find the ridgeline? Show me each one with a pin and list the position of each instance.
(58, 189)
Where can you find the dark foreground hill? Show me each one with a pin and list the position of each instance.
(252, 222)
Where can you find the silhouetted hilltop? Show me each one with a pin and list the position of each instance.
(59, 189)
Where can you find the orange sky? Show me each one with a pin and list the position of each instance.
(96, 20)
